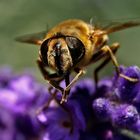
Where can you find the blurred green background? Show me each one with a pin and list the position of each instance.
(19, 17)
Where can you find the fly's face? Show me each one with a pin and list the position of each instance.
(62, 53)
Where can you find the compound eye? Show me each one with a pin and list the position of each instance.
(76, 48)
(44, 51)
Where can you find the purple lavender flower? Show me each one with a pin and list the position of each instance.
(21, 97)
(102, 108)
(118, 107)
(83, 92)
(127, 90)
(16, 120)
(62, 121)
(125, 115)
(89, 114)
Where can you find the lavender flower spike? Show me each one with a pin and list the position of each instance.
(119, 107)
(102, 108)
(89, 114)
(17, 96)
(62, 122)
(20, 98)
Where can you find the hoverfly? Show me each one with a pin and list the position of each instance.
(72, 45)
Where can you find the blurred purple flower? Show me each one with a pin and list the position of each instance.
(126, 90)
(21, 97)
(118, 106)
(62, 122)
(103, 108)
(17, 96)
(125, 115)
(89, 114)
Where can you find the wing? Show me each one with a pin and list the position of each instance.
(110, 27)
(117, 26)
(35, 38)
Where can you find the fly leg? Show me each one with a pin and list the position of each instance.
(46, 105)
(80, 72)
(101, 54)
(65, 94)
(54, 80)
(109, 54)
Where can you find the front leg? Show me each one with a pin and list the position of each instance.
(108, 53)
(80, 72)
(114, 61)
(101, 54)
(53, 79)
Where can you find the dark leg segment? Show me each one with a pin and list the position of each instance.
(102, 54)
(65, 94)
(50, 77)
(80, 72)
(108, 53)
(46, 105)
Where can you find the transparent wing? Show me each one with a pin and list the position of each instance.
(35, 38)
(114, 26)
